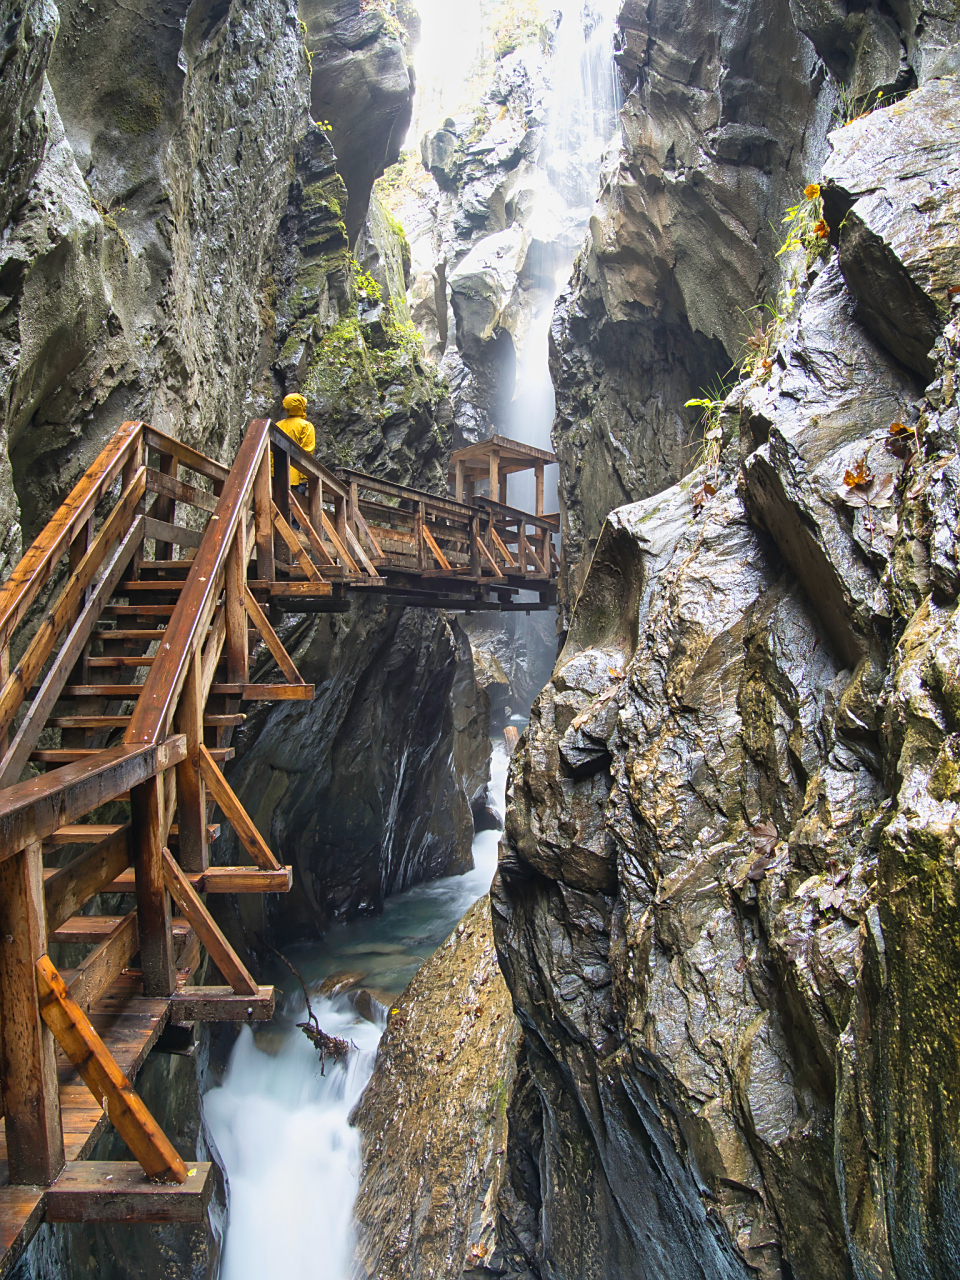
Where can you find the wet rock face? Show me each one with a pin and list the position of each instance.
(436, 1195)
(145, 196)
(370, 788)
(362, 83)
(724, 906)
(717, 142)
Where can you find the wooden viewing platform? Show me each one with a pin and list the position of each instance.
(134, 664)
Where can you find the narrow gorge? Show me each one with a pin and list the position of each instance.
(607, 811)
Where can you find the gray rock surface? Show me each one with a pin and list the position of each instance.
(723, 906)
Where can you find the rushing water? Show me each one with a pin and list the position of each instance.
(280, 1127)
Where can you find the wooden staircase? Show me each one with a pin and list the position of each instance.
(125, 641)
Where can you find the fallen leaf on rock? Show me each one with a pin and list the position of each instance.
(700, 496)
(758, 869)
(764, 837)
(741, 964)
(860, 474)
(878, 492)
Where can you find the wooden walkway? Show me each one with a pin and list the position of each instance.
(127, 634)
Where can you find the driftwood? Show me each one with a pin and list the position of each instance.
(327, 1046)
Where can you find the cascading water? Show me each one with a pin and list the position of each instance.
(582, 112)
(280, 1129)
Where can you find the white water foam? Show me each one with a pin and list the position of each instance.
(280, 1128)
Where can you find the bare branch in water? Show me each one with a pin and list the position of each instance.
(327, 1046)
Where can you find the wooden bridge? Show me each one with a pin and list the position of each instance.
(131, 665)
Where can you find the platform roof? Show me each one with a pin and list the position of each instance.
(514, 456)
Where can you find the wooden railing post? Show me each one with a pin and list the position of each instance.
(31, 1102)
(133, 463)
(418, 533)
(353, 506)
(235, 577)
(191, 792)
(281, 494)
(458, 480)
(164, 508)
(475, 545)
(538, 504)
(153, 905)
(522, 546)
(315, 507)
(263, 518)
(340, 518)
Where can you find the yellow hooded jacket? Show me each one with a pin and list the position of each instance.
(299, 430)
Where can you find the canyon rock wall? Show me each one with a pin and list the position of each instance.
(725, 905)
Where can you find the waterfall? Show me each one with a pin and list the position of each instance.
(582, 115)
(280, 1129)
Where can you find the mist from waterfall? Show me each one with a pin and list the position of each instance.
(582, 117)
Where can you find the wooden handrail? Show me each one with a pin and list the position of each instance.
(33, 810)
(198, 462)
(35, 568)
(188, 623)
(373, 485)
(307, 463)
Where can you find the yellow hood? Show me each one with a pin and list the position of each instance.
(295, 405)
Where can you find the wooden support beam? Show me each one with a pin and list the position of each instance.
(76, 1036)
(191, 794)
(494, 464)
(293, 543)
(171, 533)
(458, 480)
(105, 963)
(272, 640)
(369, 535)
(164, 483)
(339, 545)
(206, 929)
(248, 835)
(438, 555)
(70, 888)
(153, 906)
(221, 1004)
(488, 557)
(313, 537)
(538, 504)
(498, 543)
(28, 1067)
(117, 1191)
(418, 526)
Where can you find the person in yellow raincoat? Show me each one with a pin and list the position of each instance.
(299, 430)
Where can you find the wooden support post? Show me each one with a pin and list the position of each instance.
(475, 545)
(263, 516)
(235, 577)
(315, 502)
(79, 1041)
(494, 474)
(419, 520)
(191, 793)
(353, 505)
(503, 490)
(522, 546)
(133, 464)
(340, 517)
(28, 1065)
(538, 472)
(281, 493)
(153, 906)
(165, 508)
(458, 480)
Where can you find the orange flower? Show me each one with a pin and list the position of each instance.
(811, 192)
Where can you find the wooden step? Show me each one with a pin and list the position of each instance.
(138, 610)
(119, 1191)
(266, 692)
(219, 880)
(94, 832)
(121, 633)
(67, 755)
(101, 691)
(118, 722)
(120, 660)
(158, 586)
(96, 928)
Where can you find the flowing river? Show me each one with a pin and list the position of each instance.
(281, 1128)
